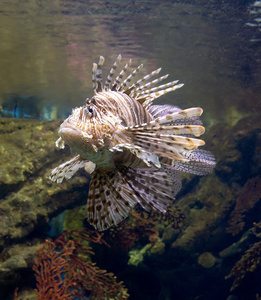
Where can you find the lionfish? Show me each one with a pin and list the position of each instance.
(134, 150)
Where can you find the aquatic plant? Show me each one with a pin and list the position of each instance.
(64, 270)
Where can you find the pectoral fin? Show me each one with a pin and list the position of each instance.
(69, 168)
(166, 138)
(147, 157)
(155, 188)
(110, 199)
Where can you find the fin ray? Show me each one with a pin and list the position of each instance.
(163, 110)
(195, 130)
(155, 189)
(110, 199)
(111, 73)
(67, 169)
(146, 156)
(142, 88)
(138, 83)
(170, 118)
(166, 145)
(124, 86)
(120, 76)
(99, 74)
(200, 162)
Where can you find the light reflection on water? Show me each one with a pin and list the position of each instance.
(47, 49)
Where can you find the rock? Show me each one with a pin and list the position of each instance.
(236, 149)
(17, 258)
(28, 198)
(207, 260)
(237, 247)
(213, 207)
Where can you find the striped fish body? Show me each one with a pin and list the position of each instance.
(134, 150)
(96, 130)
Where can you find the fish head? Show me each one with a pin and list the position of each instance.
(89, 128)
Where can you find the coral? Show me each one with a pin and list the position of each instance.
(173, 216)
(248, 263)
(16, 294)
(247, 199)
(250, 260)
(24, 294)
(158, 248)
(63, 270)
(74, 218)
(29, 200)
(136, 256)
(142, 224)
(256, 229)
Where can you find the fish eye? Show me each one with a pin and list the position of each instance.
(88, 111)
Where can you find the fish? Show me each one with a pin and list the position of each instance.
(133, 150)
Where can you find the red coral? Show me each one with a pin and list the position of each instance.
(126, 234)
(143, 224)
(63, 270)
(248, 263)
(248, 197)
(16, 295)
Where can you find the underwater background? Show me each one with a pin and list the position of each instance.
(209, 245)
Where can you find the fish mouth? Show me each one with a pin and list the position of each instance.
(76, 139)
(69, 132)
(73, 135)
(70, 128)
